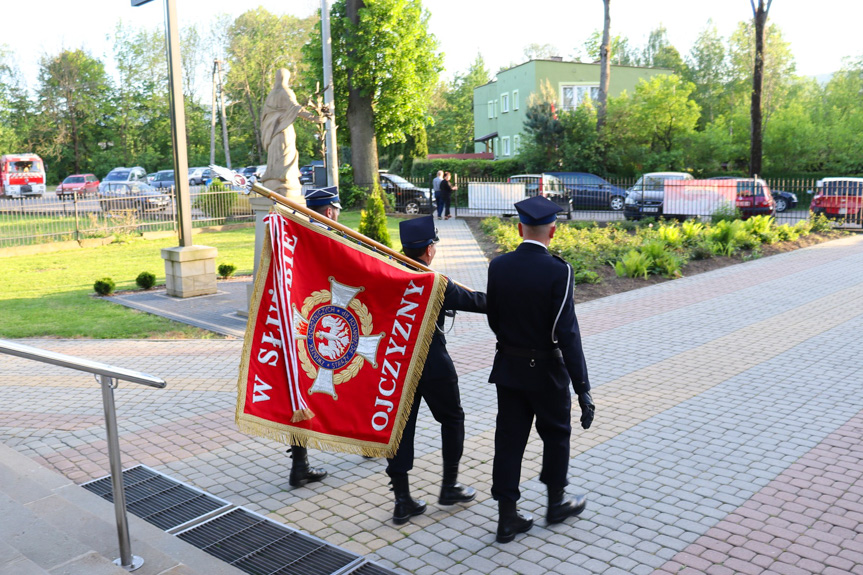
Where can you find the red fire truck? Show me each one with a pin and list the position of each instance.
(22, 176)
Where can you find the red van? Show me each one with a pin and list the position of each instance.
(754, 198)
(840, 198)
(22, 176)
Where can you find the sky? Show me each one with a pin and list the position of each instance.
(820, 34)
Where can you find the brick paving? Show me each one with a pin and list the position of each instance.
(727, 437)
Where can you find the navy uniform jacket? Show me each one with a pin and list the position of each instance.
(438, 363)
(530, 304)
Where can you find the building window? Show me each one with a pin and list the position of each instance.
(516, 144)
(490, 109)
(505, 151)
(497, 146)
(571, 97)
(515, 99)
(504, 103)
(496, 108)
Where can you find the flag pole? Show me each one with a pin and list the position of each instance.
(287, 202)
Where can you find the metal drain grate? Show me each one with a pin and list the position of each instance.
(255, 544)
(372, 569)
(158, 499)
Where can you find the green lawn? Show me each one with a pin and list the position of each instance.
(51, 295)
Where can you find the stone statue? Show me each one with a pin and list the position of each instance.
(279, 138)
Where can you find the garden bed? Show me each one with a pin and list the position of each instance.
(610, 283)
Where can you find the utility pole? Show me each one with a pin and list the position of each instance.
(217, 82)
(330, 142)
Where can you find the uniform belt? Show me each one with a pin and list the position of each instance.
(530, 353)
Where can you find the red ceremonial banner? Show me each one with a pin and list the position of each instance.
(339, 370)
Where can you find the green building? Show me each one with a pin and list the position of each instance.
(499, 107)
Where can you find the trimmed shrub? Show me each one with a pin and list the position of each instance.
(145, 280)
(104, 286)
(226, 270)
(373, 219)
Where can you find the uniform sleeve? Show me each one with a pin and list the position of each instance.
(459, 298)
(569, 341)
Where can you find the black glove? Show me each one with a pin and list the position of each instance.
(585, 402)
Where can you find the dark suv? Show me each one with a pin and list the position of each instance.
(409, 198)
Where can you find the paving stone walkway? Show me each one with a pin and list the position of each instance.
(727, 437)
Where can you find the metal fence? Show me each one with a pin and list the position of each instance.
(605, 201)
(28, 221)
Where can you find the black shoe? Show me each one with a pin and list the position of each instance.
(457, 493)
(511, 522)
(560, 507)
(301, 472)
(406, 506)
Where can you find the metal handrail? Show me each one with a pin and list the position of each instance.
(108, 374)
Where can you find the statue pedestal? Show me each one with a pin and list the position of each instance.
(190, 271)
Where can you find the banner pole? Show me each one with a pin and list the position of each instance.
(278, 198)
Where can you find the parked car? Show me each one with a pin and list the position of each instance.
(782, 200)
(135, 196)
(754, 198)
(150, 176)
(78, 185)
(119, 175)
(307, 172)
(644, 199)
(840, 198)
(163, 180)
(409, 198)
(256, 171)
(200, 176)
(591, 191)
(546, 185)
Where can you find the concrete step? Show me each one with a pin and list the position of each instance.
(50, 525)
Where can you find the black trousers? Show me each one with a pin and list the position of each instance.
(516, 409)
(444, 401)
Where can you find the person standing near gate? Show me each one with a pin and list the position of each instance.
(438, 385)
(532, 313)
(436, 192)
(446, 190)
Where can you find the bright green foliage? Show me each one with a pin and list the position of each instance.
(226, 270)
(763, 228)
(373, 220)
(633, 265)
(671, 236)
(726, 236)
(452, 110)
(691, 231)
(71, 92)
(727, 212)
(104, 286)
(389, 55)
(145, 280)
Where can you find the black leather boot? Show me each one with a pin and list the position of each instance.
(406, 506)
(510, 521)
(560, 506)
(301, 473)
(451, 491)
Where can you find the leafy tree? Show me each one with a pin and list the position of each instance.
(384, 64)
(620, 53)
(453, 111)
(581, 149)
(259, 43)
(760, 16)
(71, 92)
(707, 68)
(843, 119)
(10, 88)
(659, 53)
(543, 131)
(648, 130)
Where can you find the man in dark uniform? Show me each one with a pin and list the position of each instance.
(438, 385)
(324, 201)
(532, 313)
